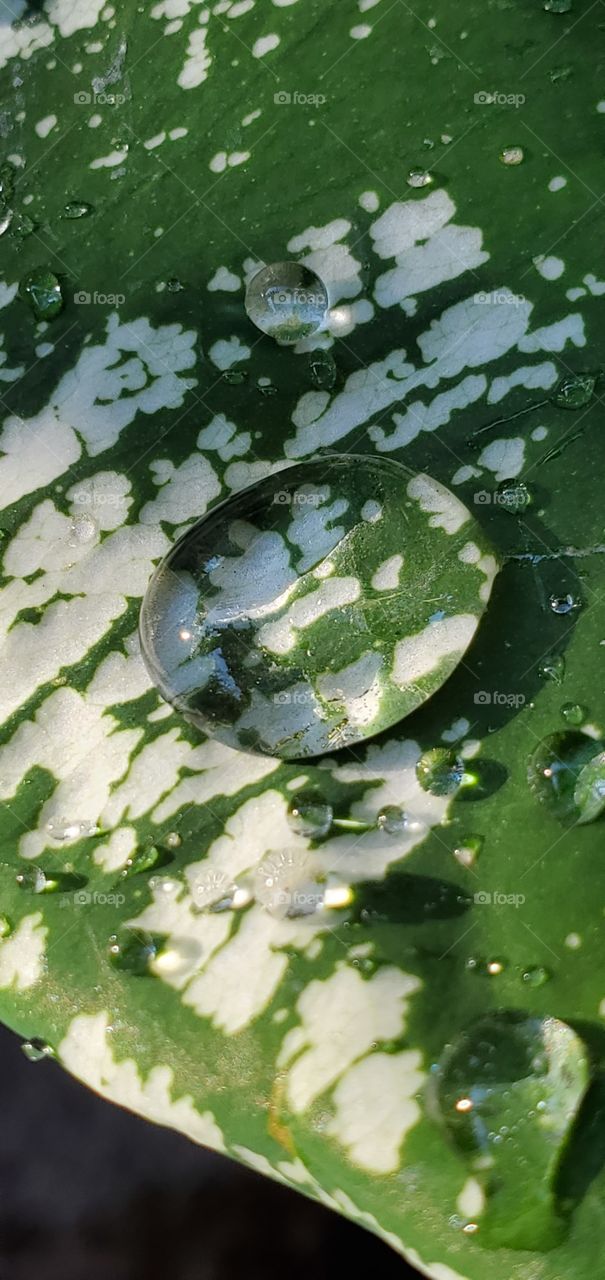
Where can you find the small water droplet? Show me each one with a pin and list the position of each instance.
(178, 959)
(419, 178)
(77, 209)
(557, 6)
(575, 391)
(132, 950)
(287, 884)
(440, 771)
(393, 820)
(512, 155)
(82, 529)
(174, 285)
(536, 976)
(574, 713)
(310, 816)
(287, 301)
(211, 889)
(266, 387)
(173, 840)
(467, 850)
(64, 829)
(322, 367)
(32, 879)
(554, 769)
(563, 604)
(36, 1050)
(43, 292)
(235, 377)
(513, 495)
(553, 668)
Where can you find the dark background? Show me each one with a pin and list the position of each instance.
(90, 1192)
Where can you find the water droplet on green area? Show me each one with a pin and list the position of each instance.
(132, 950)
(6, 927)
(553, 668)
(43, 292)
(174, 285)
(310, 816)
(37, 1050)
(287, 301)
(467, 850)
(589, 794)
(574, 713)
(235, 377)
(564, 604)
(557, 6)
(77, 209)
(512, 155)
(513, 495)
(575, 390)
(554, 769)
(419, 178)
(440, 771)
(32, 879)
(536, 976)
(322, 367)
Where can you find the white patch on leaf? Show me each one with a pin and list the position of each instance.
(375, 1107)
(22, 954)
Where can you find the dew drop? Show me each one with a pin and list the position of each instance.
(574, 713)
(66, 829)
(37, 1050)
(287, 884)
(310, 816)
(440, 771)
(553, 668)
(322, 367)
(43, 292)
(287, 301)
(513, 495)
(235, 377)
(211, 889)
(563, 604)
(557, 6)
(82, 529)
(575, 391)
(512, 155)
(179, 959)
(266, 387)
(77, 209)
(467, 850)
(536, 976)
(173, 840)
(555, 767)
(174, 285)
(132, 950)
(32, 879)
(393, 820)
(419, 178)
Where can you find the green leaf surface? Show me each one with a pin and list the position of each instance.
(282, 986)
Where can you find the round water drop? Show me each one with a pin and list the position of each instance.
(467, 850)
(173, 840)
(575, 391)
(440, 771)
(211, 889)
(512, 155)
(553, 668)
(557, 6)
(32, 879)
(43, 292)
(174, 285)
(419, 178)
(65, 829)
(178, 959)
(574, 713)
(322, 367)
(393, 820)
(82, 529)
(287, 884)
(310, 816)
(235, 377)
(36, 1050)
(132, 950)
(77, 209)
(287, 301)
(555, 767)
(563, 604)
(536, 976)
(513, 495)
(273, 626)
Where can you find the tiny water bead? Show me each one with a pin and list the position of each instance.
(32, 880)
(393, 820)
(575, 391)
(36, 1050)
(507, 1091)
(310, 816)
(553, 668)
(77, 209)
(211, 889)
(468, 850)
(555, 768)
(513, 496)
(287, 301)
(536, 976)
(563, 604)
(300, 616)
(419, 178)
(574, 713)
(41, 289)
(440, 771)
(132, 950)
(512, 155)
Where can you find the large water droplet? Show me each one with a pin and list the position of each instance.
(77, 209)
(522, 1079)
(575, 391)
(65, 829)
(564, 604)
(310, 816)
(419, 178)
(300, 616)
(287, 300)
(178, 959)
(440, 771)
(43, 292)
(512, 155)
(574, 713)
(589, 794)
(132, 950)
(513, 495)
(554, 770)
